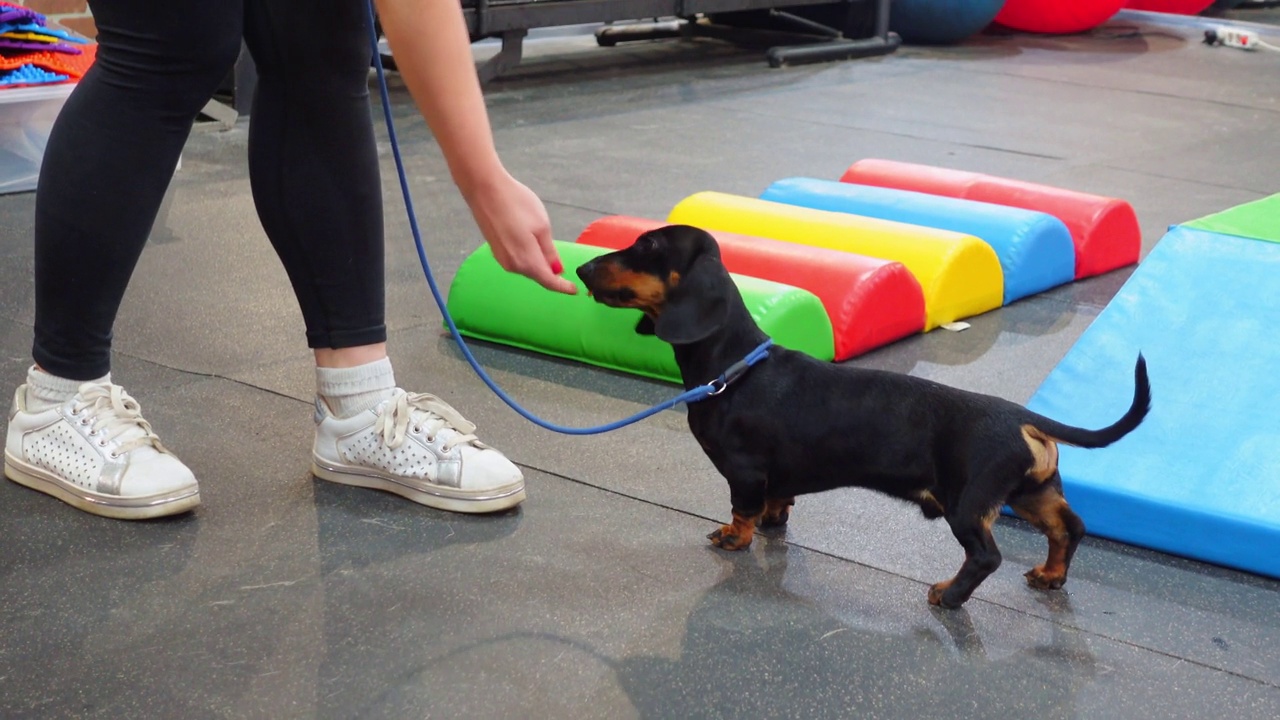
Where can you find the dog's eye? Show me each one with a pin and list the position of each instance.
(647, 243)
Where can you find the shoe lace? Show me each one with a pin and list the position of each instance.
(426, 412)
(114, 415)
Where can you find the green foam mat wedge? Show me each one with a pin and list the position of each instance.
(1259, 220)
(488, 303)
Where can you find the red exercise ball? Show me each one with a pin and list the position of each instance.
(1057, 16)
(1177, 7)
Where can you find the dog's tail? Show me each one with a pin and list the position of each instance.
(1103, 437)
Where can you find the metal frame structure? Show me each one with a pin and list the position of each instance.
(809, 40)
(736, 21)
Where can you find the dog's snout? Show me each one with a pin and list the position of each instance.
(595, 275)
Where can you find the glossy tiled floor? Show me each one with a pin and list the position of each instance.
(285, 597)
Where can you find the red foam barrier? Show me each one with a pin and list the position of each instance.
(871, 302)
(1105, 230)
(1056, 16)
(1176, 7)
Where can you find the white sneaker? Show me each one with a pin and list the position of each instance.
(418, 447)
(97, 453)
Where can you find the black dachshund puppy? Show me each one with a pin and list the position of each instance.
(792, 424)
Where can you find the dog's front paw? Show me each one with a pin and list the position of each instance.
(730, 537)
(1041, 580)
(938, 596)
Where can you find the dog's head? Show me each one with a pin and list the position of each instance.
(673, 274)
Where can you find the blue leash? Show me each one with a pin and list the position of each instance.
(715, 387)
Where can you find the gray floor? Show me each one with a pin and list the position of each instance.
(286, 597)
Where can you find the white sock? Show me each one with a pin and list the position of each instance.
(46, 391)
(349, 391)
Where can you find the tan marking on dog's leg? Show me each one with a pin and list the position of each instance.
(936, 590)
(989, 520)
(974, 570)
(929, 505)
(1044, 453)
(1049, 513)
(736, 536)
(777, 511)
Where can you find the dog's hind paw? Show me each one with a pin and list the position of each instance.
(728, 537)
(1040, 580)
(775, 520)
(776, 512)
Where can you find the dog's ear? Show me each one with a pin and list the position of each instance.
(645, 326)
(696, 306)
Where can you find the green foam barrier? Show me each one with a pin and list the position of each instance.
(488, 303)
(1259, 220)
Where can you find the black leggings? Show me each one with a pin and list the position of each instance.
(313, 164)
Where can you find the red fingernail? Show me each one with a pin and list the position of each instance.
(557, 267)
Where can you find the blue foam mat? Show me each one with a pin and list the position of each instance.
(1035, 249)
(1201, 477)
(30, 75)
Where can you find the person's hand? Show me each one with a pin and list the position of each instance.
(515, 223)
(433, 55)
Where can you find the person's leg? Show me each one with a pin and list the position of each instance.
(315, 176)
(313, 163)
(109, 160)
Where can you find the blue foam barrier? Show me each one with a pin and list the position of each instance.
(1201, 477)
(1035, 249)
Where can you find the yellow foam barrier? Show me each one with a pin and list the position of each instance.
(960, 274)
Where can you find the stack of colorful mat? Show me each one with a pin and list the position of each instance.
(31, 53)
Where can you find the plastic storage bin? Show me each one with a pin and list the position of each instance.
(26, 117)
